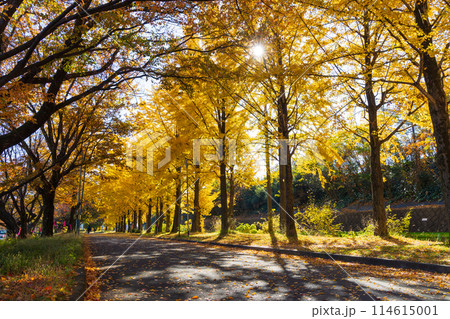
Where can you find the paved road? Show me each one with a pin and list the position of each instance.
(162, 270)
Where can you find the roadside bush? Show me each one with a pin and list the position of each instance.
(233, 223)
(260, 227)
(247, 228)
(263, 227)
(215, 223)
(319, 219)
(396, 225)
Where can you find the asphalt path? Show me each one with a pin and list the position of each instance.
(155, 269)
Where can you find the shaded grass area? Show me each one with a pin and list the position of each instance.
(430, 236)
(39, 268)
(395, 247)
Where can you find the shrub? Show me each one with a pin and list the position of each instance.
(398, 226)
(395, 225)
(319, 219)
(216, 223)
(247, 228)
(264, 226)
(232, 222)
(369, 229)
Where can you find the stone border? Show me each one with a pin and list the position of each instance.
(394, 263)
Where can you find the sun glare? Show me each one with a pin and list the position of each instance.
(258, 51)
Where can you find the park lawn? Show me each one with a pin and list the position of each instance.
(429, 236)
(395, 247)
(39, 268)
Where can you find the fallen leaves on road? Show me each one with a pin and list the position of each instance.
(91, 274)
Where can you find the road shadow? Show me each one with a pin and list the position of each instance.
(162, 270)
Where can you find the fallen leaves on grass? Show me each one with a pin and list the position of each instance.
(24, 287)
(38, 268)
(395, 247)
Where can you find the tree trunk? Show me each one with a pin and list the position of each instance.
(437, 100)
(71, 221)
(417, 163)
(223, 199)
(140, 220)
(157, 215)
(23, 226)
(48, 207)
(161, 212)
(231, 201)
(9, 221)
(287, 196)
(36, 220)
(268, 181)
(72, 214)
(287, 223)
(177, 213)
(223, 174)
(282, 160)
(282, 180)
(168, 221)
(376, 176)
(149, 216)
(196, 222)
(134, 220)
(291, 231)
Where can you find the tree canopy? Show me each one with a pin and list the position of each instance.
(147, 112)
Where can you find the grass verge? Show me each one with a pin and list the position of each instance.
(443, 237)
(39, 268)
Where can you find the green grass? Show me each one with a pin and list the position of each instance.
(443, 237)
(38, 255)
(39, 268)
